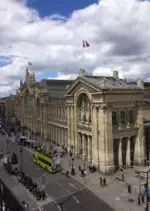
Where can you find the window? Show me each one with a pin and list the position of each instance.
(122, 117)
(114, 118)
(131, 117)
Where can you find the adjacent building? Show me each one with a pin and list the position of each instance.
(100, 118)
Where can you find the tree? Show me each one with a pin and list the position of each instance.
(14, 159)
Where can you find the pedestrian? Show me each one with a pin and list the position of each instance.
(142, 198)
(67, 173)
(122, 176)
(101, 181)
(129, 188)
(79, 168)
(104, 181)
(139, 199)
(70, 153)
(82, 172)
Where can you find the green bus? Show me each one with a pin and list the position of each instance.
(45, 162)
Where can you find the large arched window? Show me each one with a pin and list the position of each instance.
(131, 116)
(114, 118)
(83, 108)
(122, 117)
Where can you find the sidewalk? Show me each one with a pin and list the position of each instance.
(116, 193)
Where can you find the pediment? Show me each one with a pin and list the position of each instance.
(80, 83)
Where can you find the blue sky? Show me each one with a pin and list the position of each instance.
(63, 7)
(56, 45)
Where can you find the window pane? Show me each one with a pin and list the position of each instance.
(122, 117)
(131, 118)
(114, 118)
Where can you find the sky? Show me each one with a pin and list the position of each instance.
(49, 34)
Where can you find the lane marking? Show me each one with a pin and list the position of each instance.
(75, 198)
(72, 185)
(58, 207)
(60, 185)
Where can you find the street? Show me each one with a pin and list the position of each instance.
(58, 186)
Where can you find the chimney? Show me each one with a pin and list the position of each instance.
(115, 74)
(140, 83)
(82, 73)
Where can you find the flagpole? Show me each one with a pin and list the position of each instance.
(85, 44)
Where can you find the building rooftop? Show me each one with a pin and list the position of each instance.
(110, 82)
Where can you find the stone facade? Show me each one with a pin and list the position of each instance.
(100, 118)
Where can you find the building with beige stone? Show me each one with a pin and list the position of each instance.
(102, 118)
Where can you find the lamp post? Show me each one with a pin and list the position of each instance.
(147, 183)
(21, 151)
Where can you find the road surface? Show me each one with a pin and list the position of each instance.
(58, 186)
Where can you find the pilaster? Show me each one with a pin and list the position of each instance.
(106, 139)
(128, 155)
(89, 155)
(139, 143)
(72, 132)
(120, 153)
(68, 126)
(94, 135)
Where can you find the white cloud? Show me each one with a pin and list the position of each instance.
(118, 33)
(65, 76)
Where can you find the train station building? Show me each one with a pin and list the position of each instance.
(103, 119)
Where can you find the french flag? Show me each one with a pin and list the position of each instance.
(85, 44)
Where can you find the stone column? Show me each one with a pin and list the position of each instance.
(83, 147)
(54, 138)
(45, 107)
(128, 155)
(72, 126)
(75, 132)
(120, 153)
(53, 132)
(68, 126)
(56, 134)
(64, 136)
(94, 135)
(119, 120)
(89, 156)
(139, 143)
(106, 152)
(127, 119)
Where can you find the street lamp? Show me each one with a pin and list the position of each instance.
(21, 151)
(147, 173)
